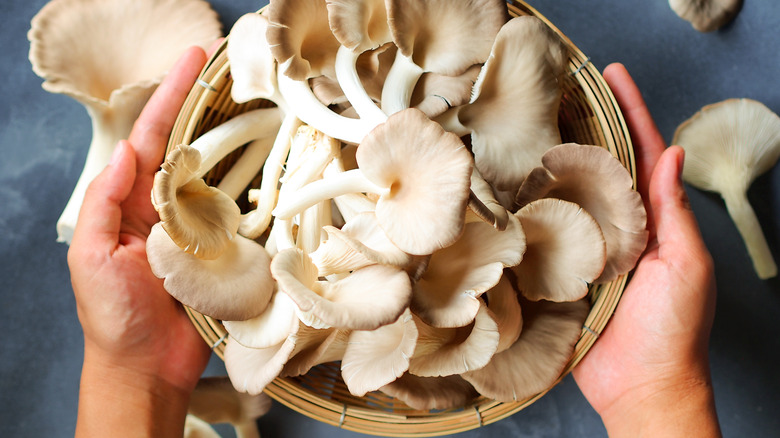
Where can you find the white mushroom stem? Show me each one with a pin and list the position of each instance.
(310, 110)
(109, 125)
(348, 79)
(750, 229)
(351, 181)
(244, 170)
(399, 84)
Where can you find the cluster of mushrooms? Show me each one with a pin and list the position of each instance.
(416, 217)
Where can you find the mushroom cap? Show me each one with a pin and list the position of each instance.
(330, 348)
(513, 115)
(424, 209)
(252, 66)
(364, 300)
(728, 144)
(216, 401)
(505, 307)
(434, 93)
(200, 219)
(706, 15)
(300, 38)
(592, 178)
(235, 286)
(267, 329)
(536, 360)
(93, 50)
(464, 348)
(447, 293)
(443, 36)
(359, 25)
(565, 251)
(375, 358)
(427, 393)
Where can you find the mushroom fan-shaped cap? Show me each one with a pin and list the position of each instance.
(252, 66)
(447, 293)
(200, 219)
(364, 300)
(435, 93)
(706, 15)
(235, 286)
(300, 38)
(359, 25)
(535, 362)
(268, 328)
(513, 116)
(426, 393)
(375, 358)
(727, 145)
(216, 401)
(565, 251)
(427, 171)
(443, 36)
(592, 178)
(93, 50)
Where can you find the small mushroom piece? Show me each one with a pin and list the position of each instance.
(364, 300)
(94, 52)
(460, 350)
(200, 219)
(421, 207)
(360, 242)
(428, 393)
(215, 401)
(194, 427)
(727, 146)
(375, 358)
(592, 178)
(536, 360)
(447, 294)
(513, 114)
(235, 286)
(706, 15)
(565, 251)
(437, 36)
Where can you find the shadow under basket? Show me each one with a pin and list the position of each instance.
(588, 114)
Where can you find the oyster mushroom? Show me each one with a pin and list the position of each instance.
(426, 393)
(215, 401)
(706, 15)
(113, 69)
(592, 178)
(727, 145)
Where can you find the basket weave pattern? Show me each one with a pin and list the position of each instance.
(588, 114)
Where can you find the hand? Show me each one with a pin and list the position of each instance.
(140, 349)
(648, 373)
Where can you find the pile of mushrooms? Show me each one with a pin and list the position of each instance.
(417, 217)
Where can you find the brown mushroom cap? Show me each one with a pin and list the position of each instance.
(235, 286)
(565, 251)
(592, 178)
(535, 362)
(359, 25)
(375, 358)
(706, 15)
(427, 393)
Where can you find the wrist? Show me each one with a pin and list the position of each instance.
(116, 400)
(680, 407)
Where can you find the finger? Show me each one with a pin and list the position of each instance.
(676, 225)
(648, 142)
(100, 216)
(153, 127)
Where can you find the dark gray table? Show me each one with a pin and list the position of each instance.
(43, 139)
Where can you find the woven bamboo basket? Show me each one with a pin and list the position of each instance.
(588, 114)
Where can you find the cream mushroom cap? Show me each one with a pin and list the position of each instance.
(235, 286)
(536, 360)
(565, 251)
(727, 146)
(592, 178)
(706, 15)
(252, 66)
(267, 329)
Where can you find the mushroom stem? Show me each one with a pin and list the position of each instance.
(399, 84)
(351, 181)
(311, 111)
(348, 79)
(245, 168)
(750, 229)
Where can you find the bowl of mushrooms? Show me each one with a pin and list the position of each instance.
(402, 218)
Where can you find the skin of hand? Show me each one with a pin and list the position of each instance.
(142, 355)
(648, 373)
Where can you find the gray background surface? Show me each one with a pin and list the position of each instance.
(43, 140)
